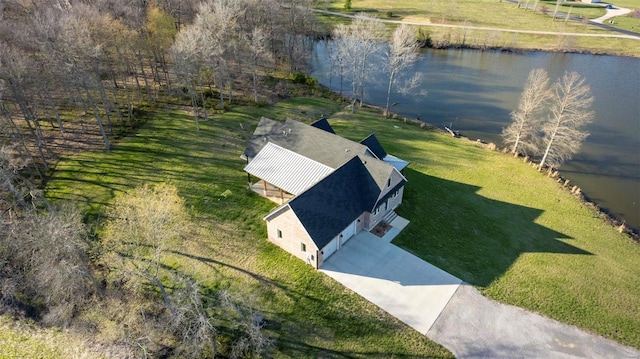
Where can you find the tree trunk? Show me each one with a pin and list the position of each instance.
(546, 151)
(105, 138)
(386, 109)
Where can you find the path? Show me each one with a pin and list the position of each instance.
(626, 35)
(452, 313)
(616, 11)
(395, 280)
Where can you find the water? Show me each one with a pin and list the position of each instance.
(474, 92)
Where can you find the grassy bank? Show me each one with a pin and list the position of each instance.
(310, 314)
(503, 15)
(517, 235)
(481, 215)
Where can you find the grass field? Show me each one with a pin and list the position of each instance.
(481, 215)
(27, 340)
(504, 15)
(313, 315)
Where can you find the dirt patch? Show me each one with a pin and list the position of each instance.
(381, 229)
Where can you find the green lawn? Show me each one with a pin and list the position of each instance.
(481, 215)
(313, 315)
(517, 235)
(502, 15)
(24, 339)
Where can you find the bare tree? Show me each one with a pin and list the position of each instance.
(45, 262)
(19, 190)
(368, 32)
(570, 112)
(190, 321)
(344, 44)
(257, 47)
(555, 10)
(143, 225)
(355, 43)
(402, 52)
(188, 64)
(527, 117)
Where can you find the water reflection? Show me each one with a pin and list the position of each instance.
(475, 91)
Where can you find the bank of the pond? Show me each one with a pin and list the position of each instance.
(474, 91)
(608, 217)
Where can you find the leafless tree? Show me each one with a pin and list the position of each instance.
(402, 52)
(16, 191)
(522, 133)
(188, 62)
(355, 43)
(368, 32)
(191, 321)
(143, 225)
(570, 111)
(45, 262)
(252, 341)
(257, 47)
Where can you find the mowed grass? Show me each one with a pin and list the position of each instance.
(24, 339)
(309, 314)
(519, 236)
(504, 15)
(481, 215)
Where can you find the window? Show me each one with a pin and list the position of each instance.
(389, 182)
(303, 247)
(279, 234)
(376, 211)
(395, 194)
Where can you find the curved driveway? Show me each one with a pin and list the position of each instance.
(453, 313)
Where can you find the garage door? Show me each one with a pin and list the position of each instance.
(329, 249)
(348, 232)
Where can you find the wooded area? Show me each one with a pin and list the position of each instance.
(76, 75)
(73, 72)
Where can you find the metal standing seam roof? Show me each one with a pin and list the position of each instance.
(396, 162)
(286, 169)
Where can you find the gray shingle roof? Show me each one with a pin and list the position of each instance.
(319, 145)
(323, 124)
(337, 198)
(374, 145)
(336, 201)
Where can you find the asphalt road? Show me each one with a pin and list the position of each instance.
(473, 326)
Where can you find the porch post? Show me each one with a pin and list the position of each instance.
(265, 187)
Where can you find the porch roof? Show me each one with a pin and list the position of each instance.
(286, 169)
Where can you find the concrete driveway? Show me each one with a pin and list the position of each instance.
(402, 284)
(452, 313)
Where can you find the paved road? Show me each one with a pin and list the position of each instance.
(623, 35)
(473, 326)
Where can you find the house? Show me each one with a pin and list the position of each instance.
(329, 188)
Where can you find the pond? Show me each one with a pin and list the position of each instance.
(474, 91)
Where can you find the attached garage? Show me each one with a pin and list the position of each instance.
(348, 232)
(329, 249)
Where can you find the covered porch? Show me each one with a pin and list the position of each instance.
(271, 192)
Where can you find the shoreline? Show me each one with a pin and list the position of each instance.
(623, 34)
(574, 190)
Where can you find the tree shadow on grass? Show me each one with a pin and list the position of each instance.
(470, 236)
